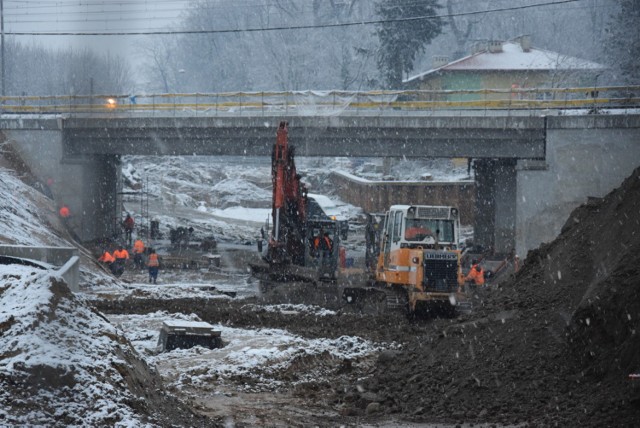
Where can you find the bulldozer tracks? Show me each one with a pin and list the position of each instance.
(395, 299)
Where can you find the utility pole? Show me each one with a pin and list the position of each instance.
(2, 51)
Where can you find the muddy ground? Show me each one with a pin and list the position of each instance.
(552, 346)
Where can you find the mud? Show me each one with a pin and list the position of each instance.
(551, 346)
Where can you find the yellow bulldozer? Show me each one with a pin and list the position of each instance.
(413, 253)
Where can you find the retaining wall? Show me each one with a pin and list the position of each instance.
(377, 196)
(67, 258)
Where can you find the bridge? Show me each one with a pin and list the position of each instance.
(517, 148)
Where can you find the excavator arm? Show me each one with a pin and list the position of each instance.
(286, 243)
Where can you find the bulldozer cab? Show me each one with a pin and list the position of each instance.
(418, 227)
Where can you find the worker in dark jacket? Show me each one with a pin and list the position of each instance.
(128, 225)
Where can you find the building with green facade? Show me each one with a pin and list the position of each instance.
(499, 70)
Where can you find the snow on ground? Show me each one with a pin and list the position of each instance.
(63, 352)
(176, 285)
(259, 355)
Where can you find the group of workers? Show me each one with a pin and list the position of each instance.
(117, 261)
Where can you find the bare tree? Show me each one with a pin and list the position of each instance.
(461, 28)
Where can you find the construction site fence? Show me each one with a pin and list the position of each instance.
(303, 103)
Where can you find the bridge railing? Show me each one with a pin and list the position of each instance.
(329, 102)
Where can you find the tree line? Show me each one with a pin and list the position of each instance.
(326, 54)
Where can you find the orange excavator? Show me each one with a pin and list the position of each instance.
(286, 243)
(291, 251)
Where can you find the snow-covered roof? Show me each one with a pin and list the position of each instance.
(324, 201)
(514, 58)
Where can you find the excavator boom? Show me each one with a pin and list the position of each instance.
(290, 241)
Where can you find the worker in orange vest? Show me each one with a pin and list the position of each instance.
(476, 275)
(138, 251)
(154, 265)
(107, 259)
(64, 212)
(325, 244)
(121, 255)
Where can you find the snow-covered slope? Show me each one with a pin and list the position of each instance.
(62, 363)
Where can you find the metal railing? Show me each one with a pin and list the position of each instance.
(328, 102)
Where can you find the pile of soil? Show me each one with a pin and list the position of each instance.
(553, 346)
(114, 386)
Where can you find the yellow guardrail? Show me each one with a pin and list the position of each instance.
(520, 98)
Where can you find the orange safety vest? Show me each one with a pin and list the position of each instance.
(138, 247)
(64, 212)
(119, 255)
(476, 276)
(153, 260)
(106, 258)
(328, 243)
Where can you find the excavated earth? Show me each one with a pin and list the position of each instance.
(553, 345)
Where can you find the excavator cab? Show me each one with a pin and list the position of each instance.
(322, 249)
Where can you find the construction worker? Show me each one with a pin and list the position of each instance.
(416, 233)
(64, 212)
(138, 251)
(315, 245)
(121, 255)
(326, 245)
(128, 224)
(154, 265)
(107, 259)
(476, 275)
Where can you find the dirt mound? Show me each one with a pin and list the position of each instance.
(63, 364)
(555, 345)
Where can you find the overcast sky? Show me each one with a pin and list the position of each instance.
(85, 16)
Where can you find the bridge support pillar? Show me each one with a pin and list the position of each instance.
(495, 209)
(92, 194)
